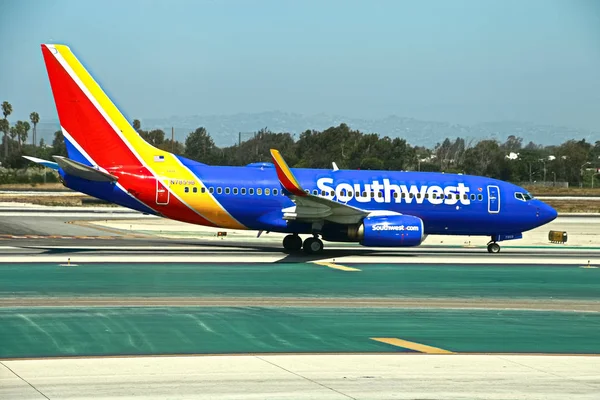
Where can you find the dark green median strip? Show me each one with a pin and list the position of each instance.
(193, 330)
(299, 280)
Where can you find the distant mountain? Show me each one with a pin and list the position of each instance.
(225, 129)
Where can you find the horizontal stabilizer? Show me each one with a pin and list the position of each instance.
(45, 163)
(82, 171)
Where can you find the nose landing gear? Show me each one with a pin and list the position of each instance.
(493, 247)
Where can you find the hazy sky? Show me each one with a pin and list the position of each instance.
(448, 60)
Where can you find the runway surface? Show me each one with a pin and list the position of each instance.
(49, 309)
(429, 322)
(302, 377)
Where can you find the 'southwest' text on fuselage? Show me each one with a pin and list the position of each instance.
(388, 192)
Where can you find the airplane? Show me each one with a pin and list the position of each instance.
(109, 160)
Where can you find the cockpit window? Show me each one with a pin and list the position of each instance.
(523, 196)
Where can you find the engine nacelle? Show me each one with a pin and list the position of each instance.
(391, 231)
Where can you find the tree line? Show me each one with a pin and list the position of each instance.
(572, 161)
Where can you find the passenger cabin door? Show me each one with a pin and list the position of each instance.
(162, 193)
(493, 199)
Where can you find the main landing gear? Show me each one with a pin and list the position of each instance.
(292, 243)
(493, 247)
(311, 245)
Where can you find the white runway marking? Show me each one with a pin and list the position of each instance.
(246, 258)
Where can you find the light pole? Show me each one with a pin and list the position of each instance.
(544, 162)
(581, 171)
(554, 173)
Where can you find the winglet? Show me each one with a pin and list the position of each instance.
(285, 175)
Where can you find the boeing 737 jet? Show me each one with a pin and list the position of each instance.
(109, 160)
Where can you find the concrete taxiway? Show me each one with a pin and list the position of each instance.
(102, 296)
(305, 377)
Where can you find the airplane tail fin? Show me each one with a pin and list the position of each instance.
(96, 133)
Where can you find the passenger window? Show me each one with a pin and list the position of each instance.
(395, 195)
(244, 191)
(211, 189)
(267, 191)
(364, 194)
(203, 190)
(219, 190)
(418, 195)
(275, 192)
(458, 197)
(259, 191)
(186, 189)
(411, 195)
(226, 190)
(235, 191)
(307, 191)
(195, 190)
(473, 197)
(479, 197)
(251, 191)
(315, 192)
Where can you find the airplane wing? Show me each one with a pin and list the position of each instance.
(308, 207)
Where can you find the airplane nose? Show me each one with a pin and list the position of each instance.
(546, 213)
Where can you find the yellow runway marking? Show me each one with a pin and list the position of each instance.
(336, 266)
(423, 348)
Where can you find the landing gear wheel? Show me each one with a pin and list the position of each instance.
(313, 246)
(493, 247)
(292, 243)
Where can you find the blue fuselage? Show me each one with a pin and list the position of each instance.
(449, 204)
(482, 206)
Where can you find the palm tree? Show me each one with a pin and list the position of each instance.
(6, 110)
(14, 132)
(4, 128)
(35, 118)
(23, 133)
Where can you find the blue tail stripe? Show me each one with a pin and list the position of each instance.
(75, 154)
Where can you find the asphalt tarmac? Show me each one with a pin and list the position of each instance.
(72, 290)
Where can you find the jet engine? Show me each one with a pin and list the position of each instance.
(379, 231)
